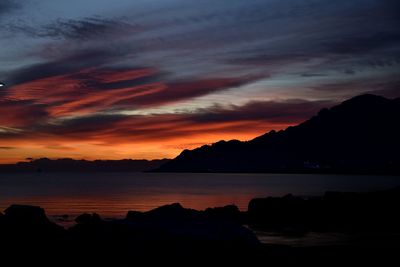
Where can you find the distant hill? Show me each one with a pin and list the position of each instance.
(361, 135)
(71, 165)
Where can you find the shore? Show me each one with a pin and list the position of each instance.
(366, 226)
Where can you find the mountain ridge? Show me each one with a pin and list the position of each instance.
(73, 165)
(357, 136)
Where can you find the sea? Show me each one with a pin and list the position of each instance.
(67, 195)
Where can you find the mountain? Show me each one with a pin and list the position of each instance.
(71, 165)
(360, 135)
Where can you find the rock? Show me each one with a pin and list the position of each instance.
(26, 213)
(172, 210)
(26, 218)
(132, 215)
(335, 211)
(86, 218)
(213, 226)
(28, 237)
(28, 226)
(229, 212)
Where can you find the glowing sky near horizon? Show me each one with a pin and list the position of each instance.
(148, 78)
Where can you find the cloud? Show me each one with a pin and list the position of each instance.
(313, 75)
(6, 147)
(93, 90)
(183, 90)
(82, 91)
(259, 116)
(285, 112)
(21, 113)
(364, 43)
(69, 63)
(7, 6)
(387, 86)
(79, 30)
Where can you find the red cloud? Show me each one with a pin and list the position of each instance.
(103, 100)
(92, 90)
(20, 113)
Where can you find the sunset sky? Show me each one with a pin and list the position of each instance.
(101, 79)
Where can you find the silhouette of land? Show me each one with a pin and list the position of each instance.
(180, 236)
(361, 135)
(358, 136)
(71, 165)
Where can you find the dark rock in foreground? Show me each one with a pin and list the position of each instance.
(228, 212)
(88, 218)
(27, 220)
(32, 214)
(172, 234)
(335, 211)
(170, 231)
(191, 225)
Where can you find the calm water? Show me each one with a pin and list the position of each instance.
(113, 194)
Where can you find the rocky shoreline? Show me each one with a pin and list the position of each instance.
(175, 234)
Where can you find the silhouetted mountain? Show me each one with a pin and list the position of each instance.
(71, 165)
(361, 135)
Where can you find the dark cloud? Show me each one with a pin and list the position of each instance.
(178, 91)
(339, 32)
(389, 9)
(349, 72)
(387, 87)
(21, 113)
(263, 57)
(83, 127)
(313, 75)
(68, 64)
(364, 43)
(334, 49)
(7, 6)
(289, 112)
(80, 30)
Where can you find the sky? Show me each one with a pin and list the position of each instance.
(100, 79)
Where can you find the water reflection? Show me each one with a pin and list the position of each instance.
(112, 195)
